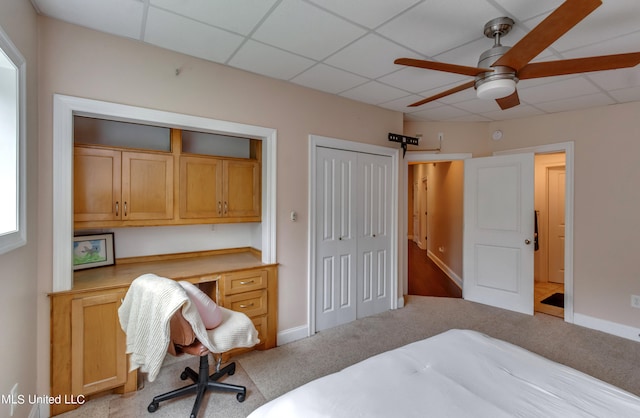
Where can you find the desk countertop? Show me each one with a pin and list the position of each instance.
(196, 268)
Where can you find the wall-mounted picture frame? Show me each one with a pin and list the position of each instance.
(91, 251)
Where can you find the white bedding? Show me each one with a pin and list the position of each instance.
(459, 373)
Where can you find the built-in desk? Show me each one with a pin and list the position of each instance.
(87, 344)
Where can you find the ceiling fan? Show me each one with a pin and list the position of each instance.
(501, 67)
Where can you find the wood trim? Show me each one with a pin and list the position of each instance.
(177, 256)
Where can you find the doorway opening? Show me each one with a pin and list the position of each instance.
(564, 148)
(549, 197)
(434, 247)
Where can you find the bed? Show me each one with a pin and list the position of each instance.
(459, 373)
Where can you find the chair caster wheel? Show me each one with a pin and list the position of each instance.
(240, 397)
(153, 407)
(184, 375)
(232, 370)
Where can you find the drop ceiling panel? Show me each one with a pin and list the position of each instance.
(626, 95)
(266, 60)
(374, 93)
(517, 112)
(119, 17)
(189, 37)
(611, 20)
(573, 103)
(478, 106)
(573, 87)
(419, 80)
(329, 79)
(369, 13)
(442, 113)
(301, 28)
(616, 79)
(402, 103)
(524, 10)
(371, 56)
(436, 26)
(239, 16)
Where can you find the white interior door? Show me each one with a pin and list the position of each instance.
(336, 238)
(374, 234)
(498, 231)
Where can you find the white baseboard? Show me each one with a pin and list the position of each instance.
(445, 268)
(293, 334)
(609, 327)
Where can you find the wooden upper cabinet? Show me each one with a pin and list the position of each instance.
(200, 187)
(113, 185)
(96, 184)
(147, 186)
(241, 189)
(216, 188)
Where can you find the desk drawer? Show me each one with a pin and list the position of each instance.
(245, 281)
(250, 303)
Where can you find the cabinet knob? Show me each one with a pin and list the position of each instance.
(247, 306)
(117, 208)
(246, 282)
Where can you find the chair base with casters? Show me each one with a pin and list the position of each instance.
(202, 382)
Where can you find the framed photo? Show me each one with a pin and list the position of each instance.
(93, 251)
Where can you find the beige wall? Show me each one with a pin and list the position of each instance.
(457, 137)
(606, 198)
(19, 267)
(80, 62)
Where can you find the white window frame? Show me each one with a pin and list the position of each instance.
(12, 240)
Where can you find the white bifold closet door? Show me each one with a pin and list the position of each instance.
(353, 225)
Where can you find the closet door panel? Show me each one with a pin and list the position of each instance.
(374, 241)
(336, 238)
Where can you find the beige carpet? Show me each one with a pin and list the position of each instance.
(268, 374)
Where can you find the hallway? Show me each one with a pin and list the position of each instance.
(426, 278)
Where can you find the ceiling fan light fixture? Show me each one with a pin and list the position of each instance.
(496, 89)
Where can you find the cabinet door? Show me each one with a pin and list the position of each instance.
(98, 359)
(200, 187)
(241, 189)
(147, 186)
(96, 184)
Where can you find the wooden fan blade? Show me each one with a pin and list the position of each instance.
(443, 94)
(441, 66)
(510, 101)
(579, 65)
(565, 17)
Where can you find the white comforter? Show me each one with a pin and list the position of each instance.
(459, 373)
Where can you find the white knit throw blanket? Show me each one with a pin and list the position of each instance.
(145, 315)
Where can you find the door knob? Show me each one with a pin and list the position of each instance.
(526, 241)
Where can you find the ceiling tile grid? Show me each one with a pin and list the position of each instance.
(348, 47)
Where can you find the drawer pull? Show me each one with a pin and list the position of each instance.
(246, 282)
(247, 306)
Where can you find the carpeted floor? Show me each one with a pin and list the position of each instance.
(268, 374)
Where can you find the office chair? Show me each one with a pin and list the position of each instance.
(161, 315)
